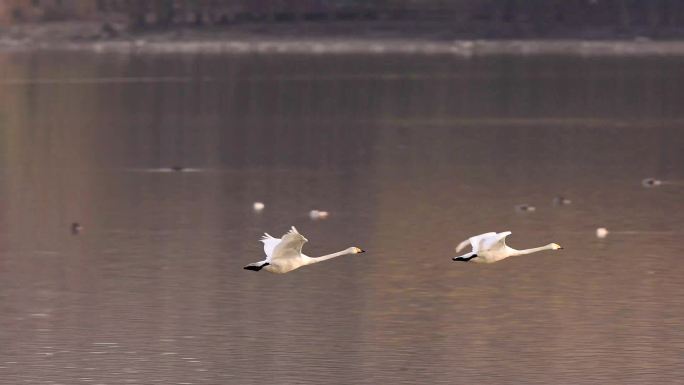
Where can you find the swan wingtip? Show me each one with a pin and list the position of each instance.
(266, 237)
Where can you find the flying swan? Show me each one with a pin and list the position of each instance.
(491, 247)
(284, 255)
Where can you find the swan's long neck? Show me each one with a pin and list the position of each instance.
(532, 250)
(329, 256)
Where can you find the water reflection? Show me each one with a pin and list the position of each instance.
(409, 154)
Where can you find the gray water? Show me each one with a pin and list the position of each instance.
(409, 154)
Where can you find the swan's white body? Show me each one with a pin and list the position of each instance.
(285, 254)
(491, 247)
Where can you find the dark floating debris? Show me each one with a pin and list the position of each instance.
(561, 201)
(525, 208)
(180, 169)
(172, 169)
(76, 228)
(651, 182)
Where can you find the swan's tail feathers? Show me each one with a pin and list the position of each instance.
(294, 230)
(256, 266)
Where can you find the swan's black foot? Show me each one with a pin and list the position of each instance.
(255, 267)
(464, 259)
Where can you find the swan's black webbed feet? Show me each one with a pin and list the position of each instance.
(255, 267)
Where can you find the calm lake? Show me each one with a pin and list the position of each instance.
(409, 154)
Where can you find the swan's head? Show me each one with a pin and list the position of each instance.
(355, 250)
(555, 246)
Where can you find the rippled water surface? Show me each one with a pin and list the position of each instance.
(409, 154)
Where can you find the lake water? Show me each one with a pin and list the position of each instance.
(409, 154)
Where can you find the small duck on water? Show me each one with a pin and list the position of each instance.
(561, 201)
(76, 228)
(525, 208)
(651, 182)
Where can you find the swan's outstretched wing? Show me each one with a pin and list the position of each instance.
(269, 244)
(290, 245)
(473, 241)
(495, 241)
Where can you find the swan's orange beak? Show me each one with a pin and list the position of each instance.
(360, 250)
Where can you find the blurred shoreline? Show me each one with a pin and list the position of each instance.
(341, 39)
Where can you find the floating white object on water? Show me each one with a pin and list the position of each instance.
(601, 232)
(561, 201)
(318, 214)
(651, 182)
(525, 208)
(258, 206)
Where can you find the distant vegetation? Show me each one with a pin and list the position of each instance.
(478, 18)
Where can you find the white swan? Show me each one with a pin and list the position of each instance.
(491, 247)
(284, 255)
